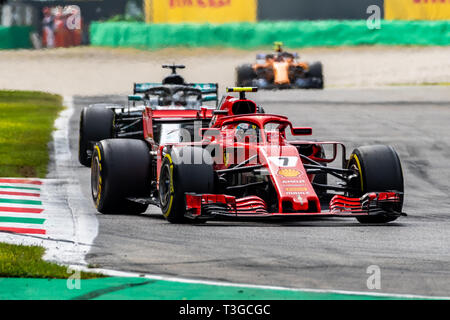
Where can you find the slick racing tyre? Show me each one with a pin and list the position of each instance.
(315, 73)
(96, 124)
(121, 169)
(184, 170)
(245, 75)
(379, 169)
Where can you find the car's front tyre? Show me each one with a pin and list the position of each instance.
(378, 169)
(183, 170)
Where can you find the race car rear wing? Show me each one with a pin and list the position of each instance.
(142, 87)
(210, 91)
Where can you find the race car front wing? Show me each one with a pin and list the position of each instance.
(210, 206)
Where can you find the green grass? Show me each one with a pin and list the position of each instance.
(17, 261)
(26, 125)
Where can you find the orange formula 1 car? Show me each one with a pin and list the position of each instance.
(280, 70)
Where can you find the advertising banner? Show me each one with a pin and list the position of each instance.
(417, 9)
(61, 26)
(201, 11)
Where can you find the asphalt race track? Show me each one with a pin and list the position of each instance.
(413, 253)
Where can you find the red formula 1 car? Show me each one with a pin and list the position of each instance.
(244, 166)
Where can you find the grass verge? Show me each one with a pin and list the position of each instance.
(26, 125)
(17, 261)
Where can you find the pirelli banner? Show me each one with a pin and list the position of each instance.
(417, 9)
(201, 11)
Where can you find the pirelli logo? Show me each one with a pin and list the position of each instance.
(200, 11)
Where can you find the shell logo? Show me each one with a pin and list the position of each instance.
(297, 189)
(288, 173)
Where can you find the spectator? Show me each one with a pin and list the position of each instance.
(48, 29)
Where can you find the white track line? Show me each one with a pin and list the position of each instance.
(114, 273)
(25, 197)
(22, 225)
(42, 215)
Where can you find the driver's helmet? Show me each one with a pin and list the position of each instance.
(246, 130)
(287, 56)
(187, 98)
(165, 100)
(179, 98)
(194, 101)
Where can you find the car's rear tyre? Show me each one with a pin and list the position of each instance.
(184, 170)
(379, 170)
(245, 75)
(96, 124)
(316, 72)
(121, 169)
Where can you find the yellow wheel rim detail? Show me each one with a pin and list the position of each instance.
(171, 188)
(354, 156)
(99, 182)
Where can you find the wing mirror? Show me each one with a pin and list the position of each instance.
(135, 97)
(298, 131)
(220, 112)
